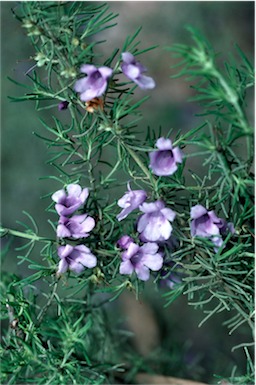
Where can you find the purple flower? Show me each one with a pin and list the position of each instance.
(154, 225)
(130, 201)
(94, 84)
(63, 105)
(68, 203)
(124, 242)
(164, 160)
(75, 258)
(140, 259)
(134, 70)
(207, 225)
(78, 226)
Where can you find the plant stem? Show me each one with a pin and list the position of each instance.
(20, 234)
(143, 168)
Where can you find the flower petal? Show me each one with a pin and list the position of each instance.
(128, 57)
(64, 251)
(131, 251)
(81, 85)
(131, 71)
(145, 82)
(84, 195)
(59, 196)
(164, 144)
(151, 207)
(87, 259)
(153, 262)
(197, 211)
(62, 267)
(169, 214)
(106, 72)
(142, 222)
(74, 190)
(142, 272)
(178, 155)
(77, 267)
(88, 69)
(62, 231)
(149, 248)
(126, 267)
(124, 242)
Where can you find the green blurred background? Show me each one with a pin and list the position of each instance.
(24, 156)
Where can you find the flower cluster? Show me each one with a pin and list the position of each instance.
(154, 225)
(95, 83)
(75, 258)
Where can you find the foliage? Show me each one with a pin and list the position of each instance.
(60, 328)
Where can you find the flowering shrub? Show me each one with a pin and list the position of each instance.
(188, 233)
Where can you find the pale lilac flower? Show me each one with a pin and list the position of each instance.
(133, 69)
(75, 258)
(140, 259)
(124, 242)
(131, 200)
(155, 225)
(78, 226)
(63, 105)
(68, 203)
(164, 160)
(94, 84)
(207, 225)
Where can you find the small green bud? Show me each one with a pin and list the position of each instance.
(94, 279)
(41, 59)
(27, 24)
(34, 32)
(69, 73)
(75, 41)
(83, 45)
(129, 285)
